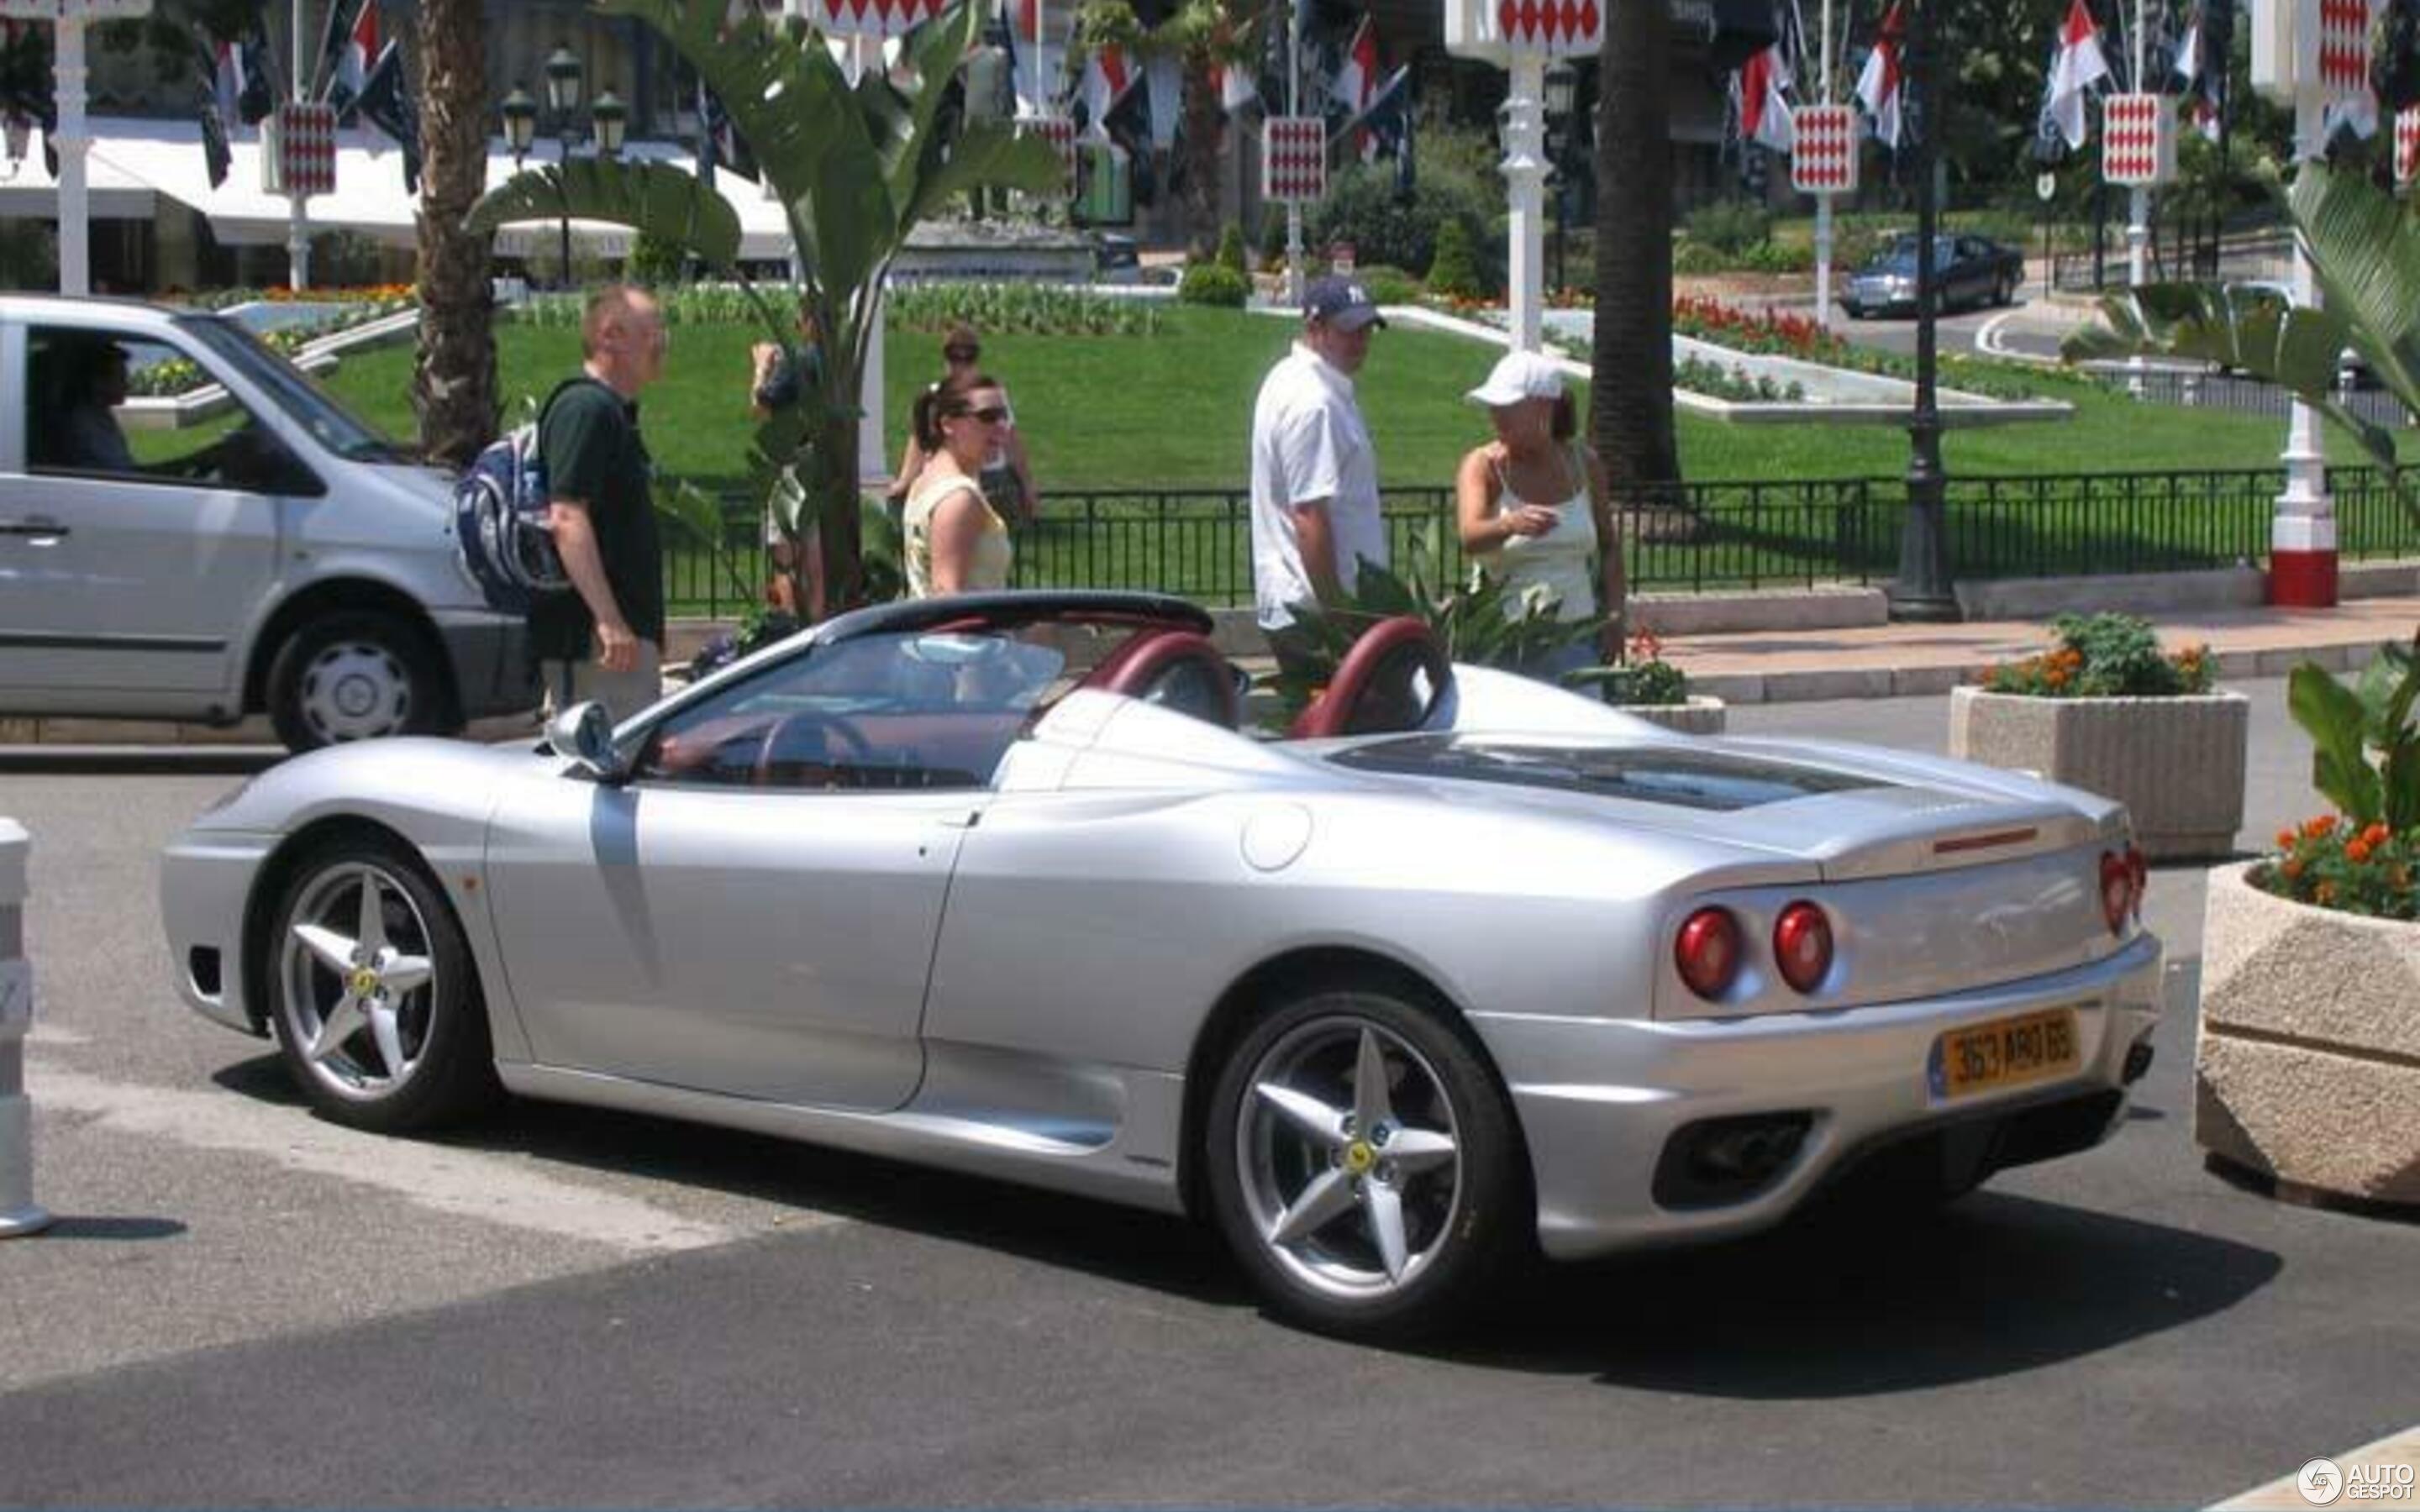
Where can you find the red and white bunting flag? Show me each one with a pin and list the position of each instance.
(1764, 114)
(1878, 84)
(1356, 77)
(1237, 88)
(1107, 78)
(361, 50)
(2076, 67)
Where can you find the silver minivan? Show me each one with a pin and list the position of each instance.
(233, 543)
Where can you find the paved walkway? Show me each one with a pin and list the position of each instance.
(1888, 661)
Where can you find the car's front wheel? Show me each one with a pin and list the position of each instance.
(373, 992)
(1364, 1164)
(354, 677)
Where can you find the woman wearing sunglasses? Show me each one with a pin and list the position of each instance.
(1007, 475)
(956, 543)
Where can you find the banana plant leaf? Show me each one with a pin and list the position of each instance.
(653, 198)
(2366, 254)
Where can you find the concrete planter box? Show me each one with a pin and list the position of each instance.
(2177, 764)
(1701, 716)
(2307, 1072)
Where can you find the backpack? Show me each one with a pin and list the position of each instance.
(501, 529)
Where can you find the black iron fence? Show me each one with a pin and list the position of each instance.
(2248, 396)
(1692, 537)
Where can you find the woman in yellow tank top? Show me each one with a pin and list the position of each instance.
(956, 543)
(1532, 506)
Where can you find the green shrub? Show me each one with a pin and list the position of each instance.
(1731, 225)
(2104, 656)
(1230, 248)
(1363, 208)
(1215, 284)
(1028, 309)
(1695, 257)
(1454, 273)
(1273, 238)
(655, 260)
(1775, 258)
(1389, 285)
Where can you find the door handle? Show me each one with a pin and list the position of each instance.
(41, 529)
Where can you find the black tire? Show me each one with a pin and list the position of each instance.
(2005, 293)
(356, 676)
(1458, 1220)
(438, 1026)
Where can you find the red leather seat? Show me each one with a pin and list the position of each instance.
(1178, 669)
(1377, 689)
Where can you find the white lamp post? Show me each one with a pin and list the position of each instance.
(1522, 39)
(2307, 55)
(69, 18)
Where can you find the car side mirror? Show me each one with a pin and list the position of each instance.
(584, 733)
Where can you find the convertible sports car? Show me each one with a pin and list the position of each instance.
(1464, 967)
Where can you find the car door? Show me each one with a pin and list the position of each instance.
(755, 911)
(136, 541)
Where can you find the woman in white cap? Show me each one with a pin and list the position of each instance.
(1532, 505)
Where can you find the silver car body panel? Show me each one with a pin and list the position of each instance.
(1014, 981)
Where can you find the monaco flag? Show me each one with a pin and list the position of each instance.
(1878, 85)
(1764, 114)
(2073, 69)
(1108, 77)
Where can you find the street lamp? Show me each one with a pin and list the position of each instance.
(612, 118)
(563, 96)
(1562, 92)
(520, 124)
(1922, 591)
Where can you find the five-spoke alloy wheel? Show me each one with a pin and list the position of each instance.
(375, 999)
(1363, 1164)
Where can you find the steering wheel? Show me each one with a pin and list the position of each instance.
(835, 741)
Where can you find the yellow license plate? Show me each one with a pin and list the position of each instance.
(2009, 1052)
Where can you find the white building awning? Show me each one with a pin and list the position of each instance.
(133, 160)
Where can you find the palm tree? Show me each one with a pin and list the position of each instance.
(1631, 391)
(855, 164)
(453, 376)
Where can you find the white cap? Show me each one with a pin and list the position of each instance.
(1520, 376)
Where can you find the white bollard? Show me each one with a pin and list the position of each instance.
(19, 1214)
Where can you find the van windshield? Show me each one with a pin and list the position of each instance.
(335, 427)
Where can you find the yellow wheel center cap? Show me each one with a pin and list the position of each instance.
(365, 982)
(1359, 1157)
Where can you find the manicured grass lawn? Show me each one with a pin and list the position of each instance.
(1174, 410)
(1138, 414)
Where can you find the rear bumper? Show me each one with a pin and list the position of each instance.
(1601, 1100)
(493, 672)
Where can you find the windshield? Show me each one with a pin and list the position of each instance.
(330, 422)
(1903, 254)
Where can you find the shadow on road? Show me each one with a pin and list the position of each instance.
(86, 1226)
(1832, 1307)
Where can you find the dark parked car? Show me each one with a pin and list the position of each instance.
(1967, 269)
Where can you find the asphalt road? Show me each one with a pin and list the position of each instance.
(243, 1304)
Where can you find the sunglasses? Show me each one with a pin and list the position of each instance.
(961, 354)
(990, 415)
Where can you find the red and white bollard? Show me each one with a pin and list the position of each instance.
(19, 1213)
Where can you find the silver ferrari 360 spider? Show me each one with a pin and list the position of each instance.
(1464, 968)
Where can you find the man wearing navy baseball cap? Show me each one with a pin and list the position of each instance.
(1314, 472)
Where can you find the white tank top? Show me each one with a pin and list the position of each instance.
(1560, 561)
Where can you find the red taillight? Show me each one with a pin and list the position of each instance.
(1802, 946)
(2139, 877)
(2117, 892)
(1707, 951)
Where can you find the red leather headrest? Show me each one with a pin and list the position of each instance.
(1372, 692)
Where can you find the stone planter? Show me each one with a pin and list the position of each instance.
(2177, 764)
(2308, 1067)
(1701, 716)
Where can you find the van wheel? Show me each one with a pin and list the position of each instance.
(354, 677)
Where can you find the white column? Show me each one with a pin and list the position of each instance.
(73, 144)
(1293, 107)
(1525, 178)
(298, 206)
(2138, 237)
(1824, 261)
(2306, 518)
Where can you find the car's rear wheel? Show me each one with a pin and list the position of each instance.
(354, 677)
(373, 992)
(2005, 292)
(1364, 1164)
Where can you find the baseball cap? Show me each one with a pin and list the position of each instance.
(1519, 375)
(1341, 302)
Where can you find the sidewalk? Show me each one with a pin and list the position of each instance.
(1899, 660)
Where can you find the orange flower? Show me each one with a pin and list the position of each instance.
(2377, 834)
(2324, 893)
(2356, 850)
(2056, 677)
(2324, 825)
(2292, 867)
(2286, 839)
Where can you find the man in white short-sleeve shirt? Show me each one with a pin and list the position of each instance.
(1314, 473)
